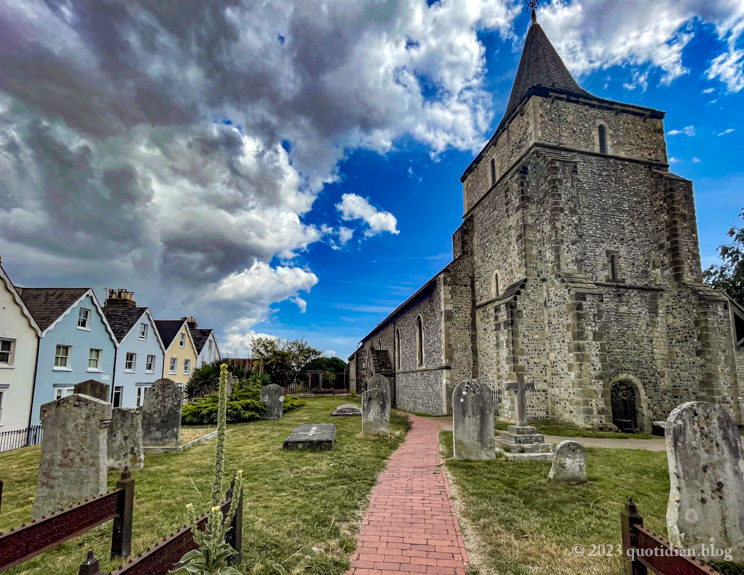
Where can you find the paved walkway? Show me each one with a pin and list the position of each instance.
(411, 525)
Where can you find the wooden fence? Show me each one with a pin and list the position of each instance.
(19, 545)
(644, 551)
(20, 438)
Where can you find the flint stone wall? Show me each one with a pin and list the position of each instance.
(125, 445)
(706, 474)
(161, 413)
(73, 463)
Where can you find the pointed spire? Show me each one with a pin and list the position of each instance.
(540, 65)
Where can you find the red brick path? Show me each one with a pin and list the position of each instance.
(411, 524)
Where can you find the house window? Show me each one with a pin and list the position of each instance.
(94, 359)
(209, 347)
(173, 365)
(131, 362)
(61, 392)
(7, 350)
(140, 393)
(495, 284)
(150, 365)
(397, 349)
(493, 172)
(2, 401)
(62, 356)
(419, 342)
(84, 318)
(183, 340)
(186, 366)
(602, 139)
(143, 331)
(118, 393)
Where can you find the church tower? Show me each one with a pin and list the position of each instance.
(583, 260)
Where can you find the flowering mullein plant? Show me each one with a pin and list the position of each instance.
(213, 553)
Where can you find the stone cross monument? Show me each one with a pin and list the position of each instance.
(521, 388)
(522, 442)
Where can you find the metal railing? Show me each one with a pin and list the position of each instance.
(312, 382)
(18, 438)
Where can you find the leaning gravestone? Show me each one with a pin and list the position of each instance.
(706, 474)
(569, 463)
(311, 436)
(161, 414)
(376, 409)
(273, 396)
(73, 453)
(348, 410)
(93, 388)
(125, 448)
(472, 421)
(378, 381)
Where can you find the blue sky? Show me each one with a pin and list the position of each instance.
(333, 191)
(362, 283)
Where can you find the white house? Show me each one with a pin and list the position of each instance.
(19, 344)
(139, 357)
(205, 342)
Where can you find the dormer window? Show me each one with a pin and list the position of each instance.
(493, 172)
(143, 331)
(84, 318)
(602, 139)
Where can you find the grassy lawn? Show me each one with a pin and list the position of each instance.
(301, 509)
(553, 427)
(528, 526)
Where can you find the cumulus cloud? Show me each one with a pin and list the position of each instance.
(729, 131)
(354, 207)
(687, 131)
(597, 34)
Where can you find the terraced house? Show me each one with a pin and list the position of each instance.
(76, 342)
(576, 267)
(139, 358)
(180, 351)
(205, 342)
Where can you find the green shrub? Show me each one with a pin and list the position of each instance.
(398, 418)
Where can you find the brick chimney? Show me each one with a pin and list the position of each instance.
(191, 322)
(120, 298)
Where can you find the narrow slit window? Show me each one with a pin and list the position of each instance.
(613, 267)
(397, 349)
(602, 139)
(495, 284)
(420, 342)
(493, 171)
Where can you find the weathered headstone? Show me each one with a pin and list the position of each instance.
(348, 410)
(378, 381)
(472, 421)
(93, 388)
(311, 436)
(376, 409)
(273, 396)
(73, 453)
(706, 475)
(161, 413)
(125, 447)
(569, 463)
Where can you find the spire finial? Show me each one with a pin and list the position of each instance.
(532, 5)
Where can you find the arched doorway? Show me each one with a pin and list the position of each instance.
(623, 398)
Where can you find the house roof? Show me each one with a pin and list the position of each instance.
(122, 319)
(200, 338)
(47, 305)
(15, 292)
(168, 329)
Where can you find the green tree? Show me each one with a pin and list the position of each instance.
(271, 356)
(332, 364)
(729, 276)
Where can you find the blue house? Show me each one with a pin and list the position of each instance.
(76, 342)
(139, 358)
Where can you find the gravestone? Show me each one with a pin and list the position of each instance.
(73, 453)
(125, 447)
(348, 410)
(273, 396)
(521, 442)
(378, 381)
(93, 388)
(232, 381)
(569, 463)
(161, 414)
(472, 421)
(376, 408)
(706, 475)
(311, 436)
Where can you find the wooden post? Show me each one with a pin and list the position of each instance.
(121, 536)
(629, 518)
(1, 495)
(90, 566)
(234, 536)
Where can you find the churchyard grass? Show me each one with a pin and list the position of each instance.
(553, 427)
(527, 526)
(301, 509)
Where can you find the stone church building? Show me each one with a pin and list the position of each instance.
(576, 267)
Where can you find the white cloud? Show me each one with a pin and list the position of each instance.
(673, 160)
(301, 303)
(729, 131)
(344, 235)
(708, 90)
(687, 131)
(696, 160)
(354, 207)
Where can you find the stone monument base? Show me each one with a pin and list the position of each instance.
(523, 443)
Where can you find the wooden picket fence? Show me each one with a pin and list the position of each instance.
(644, 551)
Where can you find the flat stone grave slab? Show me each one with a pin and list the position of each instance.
(348, 410)
(311, 436)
